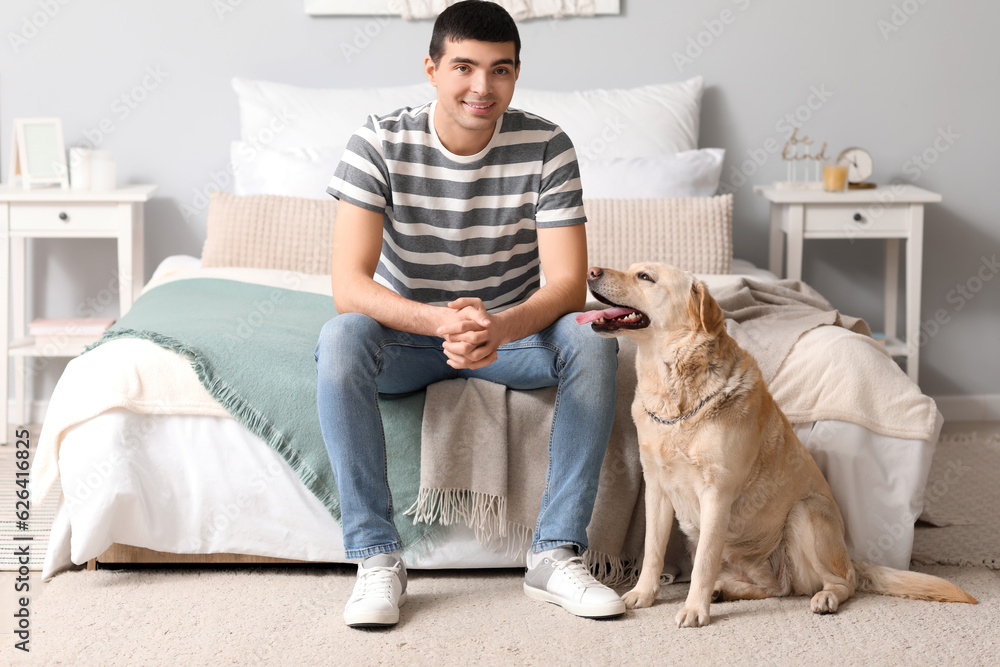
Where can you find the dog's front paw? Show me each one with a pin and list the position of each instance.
(692, 617)
(825, 602)
(638, 598)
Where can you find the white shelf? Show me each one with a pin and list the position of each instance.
(29, 347)
(896, 348)
(57, 212)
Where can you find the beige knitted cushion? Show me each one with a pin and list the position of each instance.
(692, 233)
(269, 232)
(276, 232)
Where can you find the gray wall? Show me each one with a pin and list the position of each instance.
(894, 76)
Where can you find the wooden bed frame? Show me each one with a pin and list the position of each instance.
(123, 554)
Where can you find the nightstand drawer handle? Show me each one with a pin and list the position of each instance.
(63, 216)
(857, 217)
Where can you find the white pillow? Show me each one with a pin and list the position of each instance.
(281, 116)
(306, 172)
(296, 172)
(685, 174)
(636, 122)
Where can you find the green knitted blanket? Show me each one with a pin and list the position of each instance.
(252, 347)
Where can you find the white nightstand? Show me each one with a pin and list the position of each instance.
(890, 212)
(60, 213)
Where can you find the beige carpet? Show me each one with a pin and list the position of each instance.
(292, 616)
(961, 523)
(15, 533)
(282, 615)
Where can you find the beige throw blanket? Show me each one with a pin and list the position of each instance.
(767, 318)
(484, 453)
(484, 448)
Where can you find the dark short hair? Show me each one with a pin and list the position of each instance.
(474, 19)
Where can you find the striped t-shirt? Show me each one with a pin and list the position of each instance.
(456, 225)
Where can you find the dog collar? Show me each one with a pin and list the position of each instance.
(667, 422)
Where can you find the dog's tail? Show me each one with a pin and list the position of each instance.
(905, 584)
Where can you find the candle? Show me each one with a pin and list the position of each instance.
(835, 177)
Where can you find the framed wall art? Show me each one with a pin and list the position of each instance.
(38, 154)
(519, 9)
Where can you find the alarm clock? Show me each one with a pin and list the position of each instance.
(859, 166)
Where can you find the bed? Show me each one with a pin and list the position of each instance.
(155, 463)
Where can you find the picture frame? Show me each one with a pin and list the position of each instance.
(38, 153)
(391, 7)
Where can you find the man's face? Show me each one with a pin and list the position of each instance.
(475, 82)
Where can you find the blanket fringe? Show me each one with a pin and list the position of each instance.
(237, 406)
(486, 515)
(612, 571)
(518, 540)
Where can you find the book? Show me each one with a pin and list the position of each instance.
(49, 345)
(82, 327)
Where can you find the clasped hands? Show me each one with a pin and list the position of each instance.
(471, 337)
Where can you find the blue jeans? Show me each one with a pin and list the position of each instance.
(357, 358)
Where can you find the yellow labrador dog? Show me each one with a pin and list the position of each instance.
(717, 452)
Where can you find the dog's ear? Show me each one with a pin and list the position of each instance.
(704, 310)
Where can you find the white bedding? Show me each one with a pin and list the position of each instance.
(258, 506)
(169, 492)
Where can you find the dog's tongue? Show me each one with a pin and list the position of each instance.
(607, 313)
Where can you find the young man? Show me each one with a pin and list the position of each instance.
(447, 211)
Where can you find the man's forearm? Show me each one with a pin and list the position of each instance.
(543, 308)
(363, 295)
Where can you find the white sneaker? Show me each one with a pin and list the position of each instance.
(560, 577)
(379, 592)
